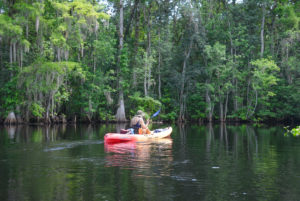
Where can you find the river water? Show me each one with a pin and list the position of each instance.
(208, 162)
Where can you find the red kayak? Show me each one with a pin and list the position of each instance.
(118, 137)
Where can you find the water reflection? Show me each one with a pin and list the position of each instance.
(140, 155)
(207, 162)
(28, 134)
(11, 130)
(231, 139)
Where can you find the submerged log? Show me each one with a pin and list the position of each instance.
(11, 118)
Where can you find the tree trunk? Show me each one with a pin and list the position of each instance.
(159, 64)
(187, 54)
(21, 59)
(231, 42)
(147, 64)
(78, 56)
(27, 114)
(82, 50)
(1, 54)
(235, 96)
(89, 113)
(132, 13)
(18, 116)
(248, 101)
(145, 81)
(37, 24)
(27, 28)
(256, 100)
(221, 107)
(209, 107)
(47, 119)
(249, 114)
(94, 64)
(10, 119)
(262, 32)
(120, 116)
(11, 52)
(226, 107)
(221, 112)
(286, 59)
(15, 51)
(136, 44)
(58, 54)
(149, 47)
(273, 38)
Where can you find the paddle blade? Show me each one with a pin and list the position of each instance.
(155, 114)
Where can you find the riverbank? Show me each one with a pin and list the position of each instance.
(202, 122)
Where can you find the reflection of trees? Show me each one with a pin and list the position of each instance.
(220, 139)
(28, 172)
(210, 137)
(252, 145)
(11, 130)
(182, 132)
(53, 133)
(257, 161)
(236, 139)
(244, 158)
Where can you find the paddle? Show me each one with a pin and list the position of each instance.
(155, 114)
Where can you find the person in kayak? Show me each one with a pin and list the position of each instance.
(137, 123)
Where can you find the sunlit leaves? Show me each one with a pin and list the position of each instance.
(8, 27)
(289, 18)
(264, 73)
(37, 110)
(44, 81)
(294, 131)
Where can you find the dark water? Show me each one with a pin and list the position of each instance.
(196, 163)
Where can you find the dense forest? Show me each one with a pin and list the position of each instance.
(196, 60)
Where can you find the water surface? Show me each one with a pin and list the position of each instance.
(210, 162)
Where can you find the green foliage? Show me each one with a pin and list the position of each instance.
(124, 68)
(146, 104)
(170, 116)
(44, 81)
(37, 110)
(8, 28)
(37, 136)
(169, 108)
(264, 74)
(264, 77)
(294, 131)
(10, 97)
(105, 49)
(197, 104)
(70, 53)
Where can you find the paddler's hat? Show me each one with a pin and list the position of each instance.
(140, 113)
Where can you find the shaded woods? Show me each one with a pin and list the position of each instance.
(86, 60)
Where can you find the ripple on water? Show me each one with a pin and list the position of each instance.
(71, 145)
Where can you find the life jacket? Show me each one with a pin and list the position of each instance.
(136, 127)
